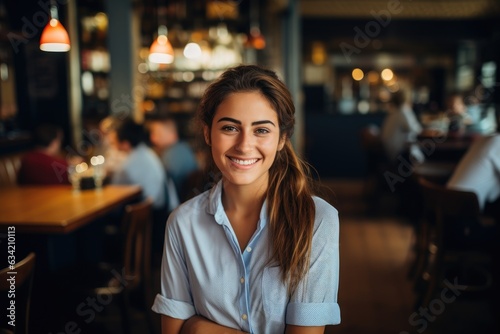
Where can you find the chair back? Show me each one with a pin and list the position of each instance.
(24, 270)
(137, 247)
(455, 213)
(445, 202)
(9, 167)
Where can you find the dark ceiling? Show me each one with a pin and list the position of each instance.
(402, 9)
(419, 28)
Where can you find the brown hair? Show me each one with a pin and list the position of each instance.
(290, 205)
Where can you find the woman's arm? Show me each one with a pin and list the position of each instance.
(201, 325)
(171, 325)
(291, 329)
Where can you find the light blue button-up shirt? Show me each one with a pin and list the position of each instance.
(143, 167)
(204, 271)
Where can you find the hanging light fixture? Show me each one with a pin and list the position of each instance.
(161, 50)
(192, 50)
(54, 37)
(255, 39)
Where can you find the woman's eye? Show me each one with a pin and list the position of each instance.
(262, 131)
(228, 128)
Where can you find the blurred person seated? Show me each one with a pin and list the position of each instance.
(177, 155)
(141, 165)
(45, 165)
(481, 111)
(456, 111)
(114, 158)
(400, 130)
(479, 170)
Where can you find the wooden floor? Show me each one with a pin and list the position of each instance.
(375, 294)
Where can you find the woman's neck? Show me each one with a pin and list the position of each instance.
(243, 199)
(242, 205)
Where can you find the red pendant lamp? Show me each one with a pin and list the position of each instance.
(54, 37)
(255, 38)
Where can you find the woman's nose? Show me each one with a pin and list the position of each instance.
(245, 141)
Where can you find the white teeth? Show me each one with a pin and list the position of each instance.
(244, 162)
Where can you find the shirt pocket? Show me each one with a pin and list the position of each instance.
(274, 294)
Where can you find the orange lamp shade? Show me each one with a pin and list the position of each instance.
(258, 41)
(54, 37)
(255, 39)
(161, 51)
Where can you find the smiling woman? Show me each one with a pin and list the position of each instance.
(258, 253)
(245, 140)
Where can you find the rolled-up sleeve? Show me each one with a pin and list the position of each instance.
(313, 314)
(173, 308)
(175, 298)
(314, 302)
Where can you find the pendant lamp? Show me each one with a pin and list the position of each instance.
(161, 50)
(54, 37)
(255, 39)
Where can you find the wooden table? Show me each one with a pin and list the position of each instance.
(448, 148)
(57, 209)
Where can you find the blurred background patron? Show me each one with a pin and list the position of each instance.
(400, 129)
(479, 170)
(141, 165)
(177, 156)
(45, 163)
(114, 158)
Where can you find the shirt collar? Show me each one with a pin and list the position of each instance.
(216, 208)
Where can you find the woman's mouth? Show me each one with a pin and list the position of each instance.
(246, 162)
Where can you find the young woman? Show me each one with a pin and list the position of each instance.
(257, 253)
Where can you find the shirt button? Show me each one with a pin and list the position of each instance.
(244, 317)
(249, 249)
(242, 280)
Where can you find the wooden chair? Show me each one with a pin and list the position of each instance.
(445, 241)
(377, 164)
(9, 166)
(132, 275)
(23, 285)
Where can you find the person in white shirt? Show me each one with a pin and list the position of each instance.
(479, 170)
(400, 129)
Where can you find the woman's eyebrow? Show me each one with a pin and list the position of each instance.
(229, 119)
(263, 122)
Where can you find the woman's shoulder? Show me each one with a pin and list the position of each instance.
(324, 208)
(190, 210)
(197, 202)
(326, 220)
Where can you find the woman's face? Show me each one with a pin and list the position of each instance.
(244, 139)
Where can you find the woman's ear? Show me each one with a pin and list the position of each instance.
(206, 134)
(282, 142)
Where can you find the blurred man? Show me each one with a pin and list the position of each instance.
(479, 170)
(177, 156)
(400, 130)
(141, 165)
(45, 164)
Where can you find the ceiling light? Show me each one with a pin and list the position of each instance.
(161, 50)
(54, 37)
